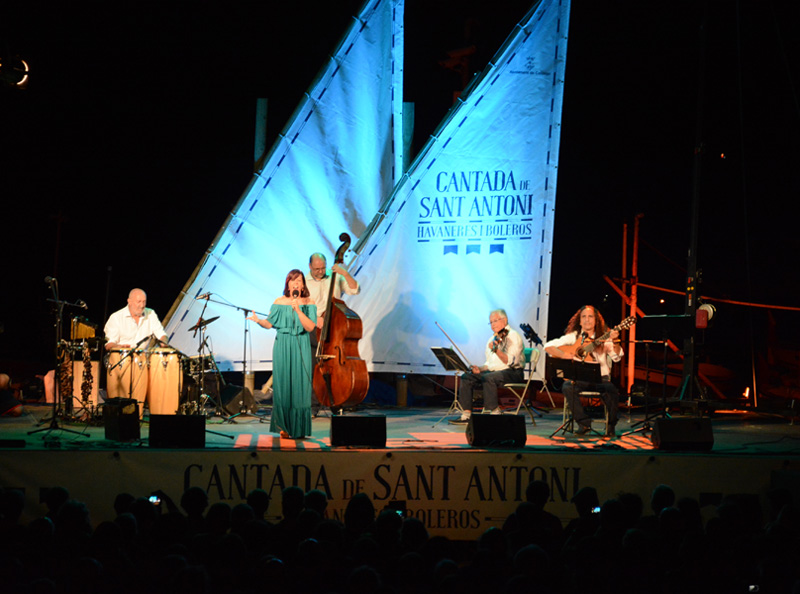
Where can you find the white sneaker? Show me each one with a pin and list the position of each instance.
(496, 411)
(463, 419)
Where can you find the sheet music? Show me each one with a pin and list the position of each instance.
(450, 359)
(469, 365)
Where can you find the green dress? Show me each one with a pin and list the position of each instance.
(292, 371)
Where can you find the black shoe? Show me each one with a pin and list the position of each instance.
(583, 429)
(611, 431)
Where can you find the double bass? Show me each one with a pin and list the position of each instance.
(340, 375)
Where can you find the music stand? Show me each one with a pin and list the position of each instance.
(450, 360)
(660, 329)
(575, 371)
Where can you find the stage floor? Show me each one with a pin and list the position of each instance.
(735, 432)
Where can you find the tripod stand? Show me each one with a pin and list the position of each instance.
(451, 362)
(61, 356)
(660, 330)
(645, 423)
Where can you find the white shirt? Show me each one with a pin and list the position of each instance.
(121, 328)
(319, 290)
(512, 346)
(598, 355)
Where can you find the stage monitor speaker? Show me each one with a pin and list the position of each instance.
(178, 431)
(500, 431)
(121, 419)
(683, 434)
(237, 400)
(369, 432)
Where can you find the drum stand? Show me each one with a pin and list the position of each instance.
(130, 355)
(200, 376)
(60, 354)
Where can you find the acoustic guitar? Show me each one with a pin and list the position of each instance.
(582, 351)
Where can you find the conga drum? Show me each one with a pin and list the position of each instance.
(126, 375)
(164, 385)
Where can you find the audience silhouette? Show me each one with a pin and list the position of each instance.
(197, 548)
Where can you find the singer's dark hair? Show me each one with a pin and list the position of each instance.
(293, 274)
(574, 324)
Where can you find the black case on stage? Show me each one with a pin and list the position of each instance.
(684, 434)
(178, 431)
(499, 431)
(121, 419)
(367, 432)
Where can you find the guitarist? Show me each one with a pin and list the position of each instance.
(586, 325)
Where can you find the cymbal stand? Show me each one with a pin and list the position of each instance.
(200, 369)
(59, 354)
(200, 380)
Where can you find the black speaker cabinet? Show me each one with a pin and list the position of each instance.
(236, 400)
(683, 434)
(500, 431)
(178, 431)
(367, 432)
(121, 419)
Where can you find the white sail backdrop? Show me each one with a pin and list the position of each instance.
(336, 161)
(469, 228)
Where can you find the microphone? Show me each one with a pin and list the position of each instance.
(138, 344)
(49, 280)
(82, 304)
(295, 294)
(203, 296)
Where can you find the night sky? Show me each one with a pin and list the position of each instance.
(134, 139)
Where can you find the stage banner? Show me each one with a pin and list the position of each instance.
(457, 494)
(336, 161)
(469, 228)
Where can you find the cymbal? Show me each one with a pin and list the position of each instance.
(202, 323)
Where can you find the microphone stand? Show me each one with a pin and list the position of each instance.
(59, 354)
(245, 390)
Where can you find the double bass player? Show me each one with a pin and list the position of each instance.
(318, 282)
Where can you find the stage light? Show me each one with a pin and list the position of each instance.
(14, 72)
(704, 315)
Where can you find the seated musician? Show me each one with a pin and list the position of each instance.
(584, 326)
(134, 323)
(505, 359)
(10, 406)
